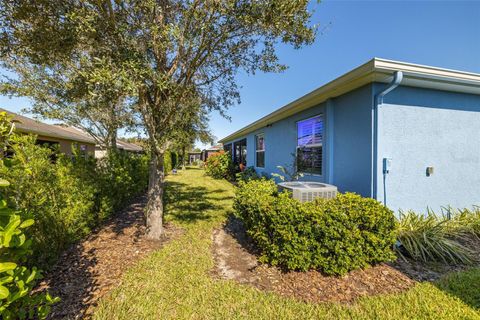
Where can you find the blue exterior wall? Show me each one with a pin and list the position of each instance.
(352, 141)
(280, 143)
(347, 152)
(417, 128)
(420, 128)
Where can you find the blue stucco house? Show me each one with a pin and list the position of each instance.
(405, 134)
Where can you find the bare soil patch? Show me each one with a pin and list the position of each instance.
(236, 259)
(90, 269)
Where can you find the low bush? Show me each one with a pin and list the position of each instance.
(16, 280)
(17, 300)
(335, 235)
(167, 162)
(68, 197)
(438, 238)
(248, 174)
(200, 164)
(219, 165)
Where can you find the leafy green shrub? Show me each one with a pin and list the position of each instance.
(335, 235)
(436, 238)
(248, 174)
(67, 198)
(16, 280)
(219, 165)
(175, 159)
(167, 162)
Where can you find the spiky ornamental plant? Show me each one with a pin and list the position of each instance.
(432, 238)
(181, 57)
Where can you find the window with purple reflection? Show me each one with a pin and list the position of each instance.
(309, 145)
(309, 132)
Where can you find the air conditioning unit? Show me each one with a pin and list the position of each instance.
(305, 191)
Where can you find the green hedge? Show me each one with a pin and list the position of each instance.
(167, 162)
(68, 197)
(219, 165)
(334, 236)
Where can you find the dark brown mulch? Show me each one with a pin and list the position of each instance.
(236, 259)
(88, 270)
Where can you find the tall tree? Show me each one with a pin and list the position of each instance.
(181, 56)
(90, 95)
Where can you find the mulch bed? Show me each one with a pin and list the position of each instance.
(236, 259)
(90, 269)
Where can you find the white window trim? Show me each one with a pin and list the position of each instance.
(314, 145)
(263, 150)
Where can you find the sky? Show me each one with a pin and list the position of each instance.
(437, 33)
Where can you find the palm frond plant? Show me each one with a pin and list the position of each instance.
(432, 238)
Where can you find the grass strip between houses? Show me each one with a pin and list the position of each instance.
(175, 283)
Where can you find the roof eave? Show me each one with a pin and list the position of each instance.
(375, 70)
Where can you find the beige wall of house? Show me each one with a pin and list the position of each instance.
(65, 146)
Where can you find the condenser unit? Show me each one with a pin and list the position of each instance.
(305, 191)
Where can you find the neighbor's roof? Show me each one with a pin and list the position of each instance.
(27, 125)
(375, 70)
(214, 148)
(128, 146)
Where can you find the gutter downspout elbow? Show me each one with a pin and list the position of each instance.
(397, 79)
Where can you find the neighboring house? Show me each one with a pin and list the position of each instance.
(66, 137)
(207, 152)
(52, 135)
(194, 156)
(405, 134)
(101, 152)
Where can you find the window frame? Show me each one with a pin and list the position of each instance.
(257, 150)
(312, 145)
(240, 143)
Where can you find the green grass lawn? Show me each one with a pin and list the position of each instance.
(174, 282)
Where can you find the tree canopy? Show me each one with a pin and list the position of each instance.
(176, 60)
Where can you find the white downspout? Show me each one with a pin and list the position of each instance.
(397, 78)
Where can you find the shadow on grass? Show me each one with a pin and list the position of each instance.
(464, 285)
(189, 204)
(456, 280)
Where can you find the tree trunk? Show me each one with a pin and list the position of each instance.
(154, 210)
(183, 158)
(111, 141)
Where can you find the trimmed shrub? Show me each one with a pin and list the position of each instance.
(17, 281)
(219, 165)
(68, 197)
(167, 162)
(335, 235)
(174, 157)
(248, 174)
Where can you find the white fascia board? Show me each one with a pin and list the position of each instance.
(375, 70)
